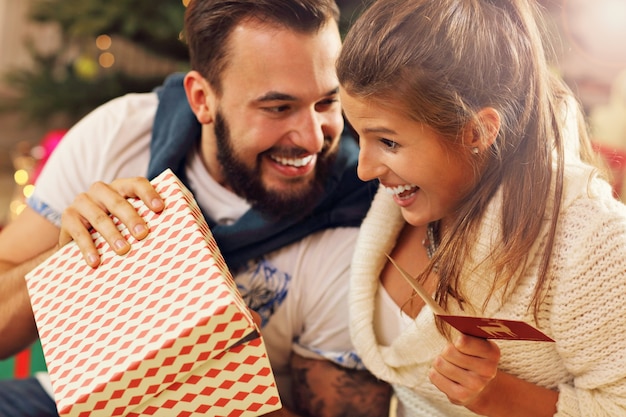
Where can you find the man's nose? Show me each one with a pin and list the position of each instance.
(309, 133)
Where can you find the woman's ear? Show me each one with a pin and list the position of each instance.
(201, 96)
(482, 132)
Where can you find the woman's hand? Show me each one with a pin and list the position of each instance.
(93, 208)
(465, 369)
(467, 372)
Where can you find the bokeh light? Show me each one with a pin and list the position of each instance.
(106, 59)
(85, 67)
(103, 42)
(21, 177)
(28, 190)
(596, 29)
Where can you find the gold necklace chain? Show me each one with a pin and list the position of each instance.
(431, 241)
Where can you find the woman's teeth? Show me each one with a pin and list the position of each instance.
(397, 190)
(295, 162)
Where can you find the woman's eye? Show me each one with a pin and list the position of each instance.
(390, 144)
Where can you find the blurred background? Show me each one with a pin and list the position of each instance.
(59, 59)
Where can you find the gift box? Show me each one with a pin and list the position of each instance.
(160, 331)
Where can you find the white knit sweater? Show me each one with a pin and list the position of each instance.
(584, 311)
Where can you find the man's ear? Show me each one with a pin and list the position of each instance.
(482, 132)
(201, 96)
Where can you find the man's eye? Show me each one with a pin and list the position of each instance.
(324, 104)
(390, 144)
(277, 109)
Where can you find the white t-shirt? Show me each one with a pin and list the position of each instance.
(301, 290)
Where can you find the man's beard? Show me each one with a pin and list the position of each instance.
(246, 182)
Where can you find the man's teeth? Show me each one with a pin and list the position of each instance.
(399, 189)
(295, 162)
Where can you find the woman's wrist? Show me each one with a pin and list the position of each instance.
(509, 396)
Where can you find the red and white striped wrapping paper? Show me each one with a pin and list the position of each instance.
(160, 331)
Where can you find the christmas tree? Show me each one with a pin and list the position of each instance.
(86, 70)
(81, 72)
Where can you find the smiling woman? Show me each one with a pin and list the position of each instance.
(494, 204)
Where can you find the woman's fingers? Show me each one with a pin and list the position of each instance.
(465, 368)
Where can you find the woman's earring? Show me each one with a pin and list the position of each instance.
(475, 150)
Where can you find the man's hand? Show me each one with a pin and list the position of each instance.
(93, 209)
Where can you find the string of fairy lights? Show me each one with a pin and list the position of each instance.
(23, 165)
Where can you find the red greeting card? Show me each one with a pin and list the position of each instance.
(487, 328)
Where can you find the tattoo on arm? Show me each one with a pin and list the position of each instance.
(324, 389)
